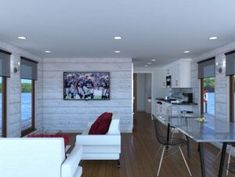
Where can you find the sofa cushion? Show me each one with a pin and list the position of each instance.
(101, 125)
(66, 137)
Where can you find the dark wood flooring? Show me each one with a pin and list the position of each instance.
(140, 157)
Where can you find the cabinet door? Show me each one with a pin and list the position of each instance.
(166, 108)
(181, 74)
(184, 74)
(157, 109)
(175, 75)
(175, 110)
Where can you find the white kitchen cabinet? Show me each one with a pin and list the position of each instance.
(180, 72)
(162, 108)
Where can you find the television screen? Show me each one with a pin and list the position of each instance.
(86, 85)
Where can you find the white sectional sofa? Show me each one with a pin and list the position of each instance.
(101, 147)
(38, 157)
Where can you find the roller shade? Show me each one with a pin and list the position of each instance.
(206, 68)
(28, 69)
(230, 63)
(5, 63)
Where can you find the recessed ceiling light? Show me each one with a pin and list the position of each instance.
(22, 37)
(149, 63)
(186, 51)
(117, 37)
(146, 65)
(117, 51)
(47, 51)
(153, 59)
(213, 37)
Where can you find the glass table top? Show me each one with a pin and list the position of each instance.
(211, 130)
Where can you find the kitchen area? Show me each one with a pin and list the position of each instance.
(178, 98)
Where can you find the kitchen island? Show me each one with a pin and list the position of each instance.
(173, 108)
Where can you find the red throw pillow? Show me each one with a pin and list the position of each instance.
(101, 125)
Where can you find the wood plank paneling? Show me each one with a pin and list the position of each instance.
(73, 116)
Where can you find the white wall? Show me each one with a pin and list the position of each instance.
(141, 92)
(148, 94)
(73, 116)
(14, 92)
(144, 86)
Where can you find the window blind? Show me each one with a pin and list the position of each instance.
(230, 63)
(206, 68)
(5, 63)
(28, 69)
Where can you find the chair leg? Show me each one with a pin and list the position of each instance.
(217, 156)
(229, 159)
(188, 146)
(160, 163)
(186, 164)
(118, 163)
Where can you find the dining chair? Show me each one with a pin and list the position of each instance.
(174, 131)
(163, 135)
(232, 168)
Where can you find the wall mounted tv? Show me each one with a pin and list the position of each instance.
(86, 85)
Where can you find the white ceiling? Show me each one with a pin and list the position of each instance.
(160, 29)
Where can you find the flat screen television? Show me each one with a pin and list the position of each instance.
(86, 85)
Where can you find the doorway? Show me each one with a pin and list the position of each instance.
(142, 92)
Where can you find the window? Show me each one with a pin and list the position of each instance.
(208, 95)
(206, 74)
(4, 73)
(230, 71)
(28, 77)
(26, 104)
(231, 97)
(3, 120)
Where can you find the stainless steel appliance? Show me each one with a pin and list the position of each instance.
(188, 97)
(168, 81)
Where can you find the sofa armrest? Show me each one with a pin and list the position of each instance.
(70, 166)
(98, 139)
(114, 127)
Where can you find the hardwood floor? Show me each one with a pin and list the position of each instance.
(140, 157)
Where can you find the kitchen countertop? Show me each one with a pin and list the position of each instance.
(182, 103)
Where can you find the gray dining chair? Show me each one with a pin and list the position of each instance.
(163, 135)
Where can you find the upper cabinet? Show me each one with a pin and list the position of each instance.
(180, 72)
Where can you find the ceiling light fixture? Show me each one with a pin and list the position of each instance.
(117, 37)
(186, 51)
(117, 51)
(47, 51)
(153, 59)
(213, 37)
(146, 65)
(149, 63)
(22, 37)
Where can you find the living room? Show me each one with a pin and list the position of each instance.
(42, 47)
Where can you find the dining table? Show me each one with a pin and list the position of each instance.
(207, 130)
